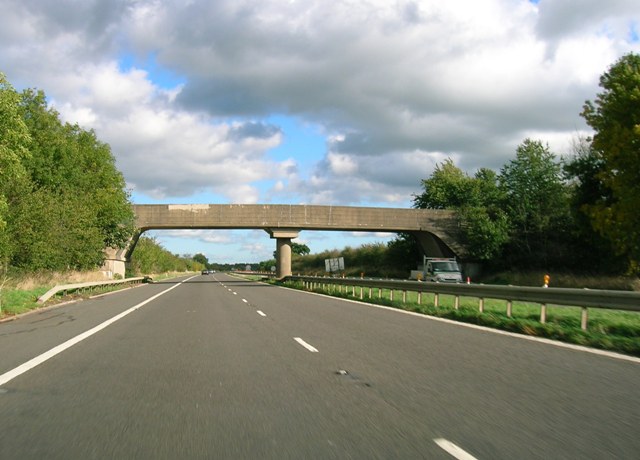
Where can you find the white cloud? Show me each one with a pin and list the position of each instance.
(163, 150)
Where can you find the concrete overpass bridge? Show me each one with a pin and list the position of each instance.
(435, 230)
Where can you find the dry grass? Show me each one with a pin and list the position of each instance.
(35, 280)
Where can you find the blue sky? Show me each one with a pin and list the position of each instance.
(311, 102)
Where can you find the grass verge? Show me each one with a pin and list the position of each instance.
(18, 301)
(610, 330)
(21, 293)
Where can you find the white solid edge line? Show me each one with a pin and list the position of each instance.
(555, 343)
(260, 313)
(306, 345)
(453, 450)
(12, 374)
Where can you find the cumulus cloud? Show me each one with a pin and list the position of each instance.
(395, 87)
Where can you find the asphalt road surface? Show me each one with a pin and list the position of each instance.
(217, 367)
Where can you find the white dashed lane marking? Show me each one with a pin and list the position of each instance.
(306, 345)
(453, 450)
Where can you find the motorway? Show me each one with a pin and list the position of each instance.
(219, 367)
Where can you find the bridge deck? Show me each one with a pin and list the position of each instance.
(303, 217)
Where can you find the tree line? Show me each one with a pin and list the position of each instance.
(150, 257)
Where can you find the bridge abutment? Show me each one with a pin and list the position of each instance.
(114, 265)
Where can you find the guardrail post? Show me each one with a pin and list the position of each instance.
(370, 291)
(353, 291)
(543, 313)
(436, 300)
(456, 302)
(404, 296)
(391, 295)
(419, 297)
(509, 308)
(379, 293)
(584, 318)
(481, 305)
(361, 295)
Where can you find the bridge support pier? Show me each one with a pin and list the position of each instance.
(114, 263)
(283, 239)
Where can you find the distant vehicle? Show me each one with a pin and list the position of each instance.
(439, 270)
(442, 270)
(207, 272)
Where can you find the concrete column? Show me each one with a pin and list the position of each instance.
(283, 239)
(283, 257)
(114, 263)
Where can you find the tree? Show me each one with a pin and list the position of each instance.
(149, 257)
(582, 170)
(62, 200)
(478, 202)
(14, 136)
(615, 119)
(484, 223)
(14, 142)
(66, 158)
(202, 259)
(536, 204)
(4, 236)
(447, 188)
(485, 231)
(300, 248)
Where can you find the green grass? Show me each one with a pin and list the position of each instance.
(16, 301)
(611, 330)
